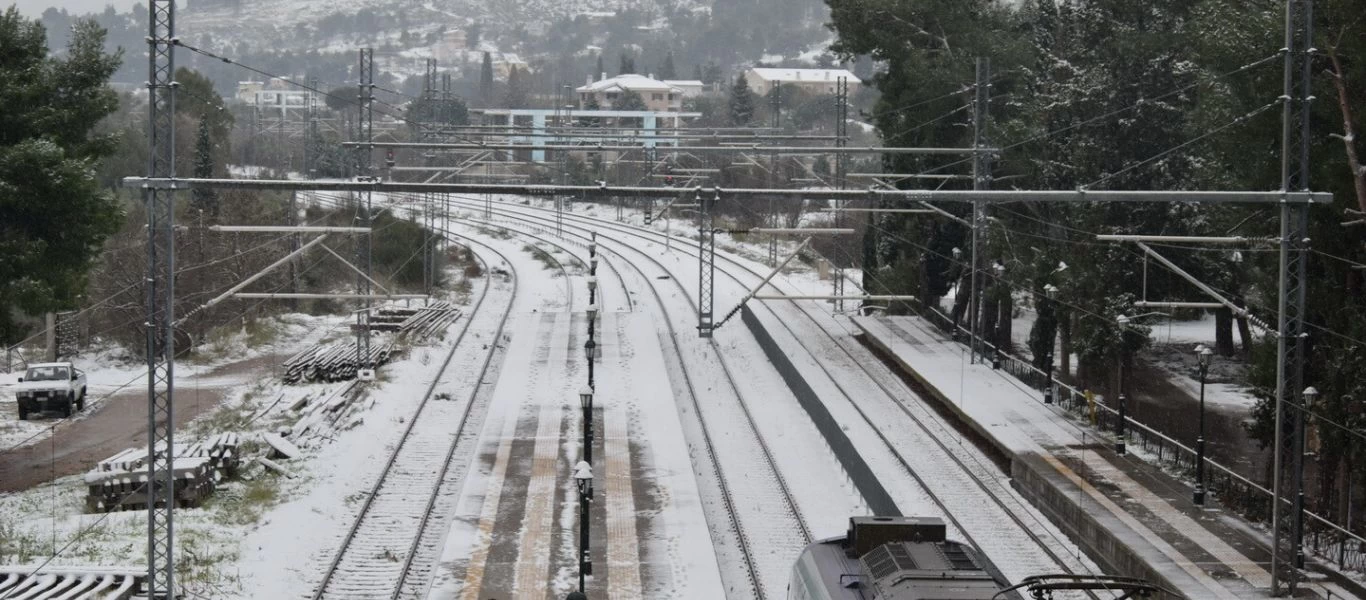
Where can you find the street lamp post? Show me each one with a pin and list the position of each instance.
(1051, 292)
(589, 350)
(997, 342)
(586, 402)
(583, 478)
(1311, 397)
(1203, 355)
(1120, 434)
(592, 289)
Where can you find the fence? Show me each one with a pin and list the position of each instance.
(1323, 538)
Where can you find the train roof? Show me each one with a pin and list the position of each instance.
(897, 558)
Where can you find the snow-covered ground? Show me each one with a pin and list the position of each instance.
(781, 420)
(111, 370)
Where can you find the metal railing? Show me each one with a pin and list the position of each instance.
(1323, 538)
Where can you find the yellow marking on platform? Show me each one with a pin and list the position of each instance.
(488, 514)
(623, 550)
(533, 558)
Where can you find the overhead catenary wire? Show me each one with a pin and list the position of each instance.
(1168, 152)
(82, 532)
(1116, 112)
(290, 81)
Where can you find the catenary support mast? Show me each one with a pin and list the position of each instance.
(160, 286)
(1288, 484)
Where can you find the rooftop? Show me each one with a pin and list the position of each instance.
(628, 82)
(804, 74)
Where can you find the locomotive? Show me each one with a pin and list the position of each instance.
(911, 558)
(895, 558)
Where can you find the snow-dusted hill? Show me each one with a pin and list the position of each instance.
(289, 24)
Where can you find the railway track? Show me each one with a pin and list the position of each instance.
(389, 551)
(968, 475)
(750, 536)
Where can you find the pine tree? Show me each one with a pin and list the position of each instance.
(53, 211)
(630, 100)
(517, 95)
(486, 81)
(627, 66)
(667, 70)
(592, 104)
(204, 199)
(741, 102)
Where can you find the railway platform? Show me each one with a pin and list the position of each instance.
(1128, 513)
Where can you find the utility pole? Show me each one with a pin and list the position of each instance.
(295, 241)
(706, 259)
(981, 180)
(311, 136)
(160, 300)
(841, 140)
(365, 133)
(1287, 518)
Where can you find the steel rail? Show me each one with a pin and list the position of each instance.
(455, 440)
(946, 448)
(351, 535)
(697, 409)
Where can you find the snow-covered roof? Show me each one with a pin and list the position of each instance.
(632, 82)
(685, 82)
(804, 75)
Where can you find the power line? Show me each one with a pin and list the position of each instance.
(351, 101)
(1160, 155)
(1114, 113)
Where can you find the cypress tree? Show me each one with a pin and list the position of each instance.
(204, 199)
(741, 102)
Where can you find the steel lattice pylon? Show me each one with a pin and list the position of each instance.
(706, 270)
(365, 131)
(1288, 485)
(160, 204)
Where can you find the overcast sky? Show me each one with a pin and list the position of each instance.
(34, 8)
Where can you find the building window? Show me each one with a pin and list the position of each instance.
(673, 97)
(612, 95)
(657, 96)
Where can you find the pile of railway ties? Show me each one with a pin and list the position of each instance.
(340, 361)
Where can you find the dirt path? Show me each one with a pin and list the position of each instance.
(117, 423)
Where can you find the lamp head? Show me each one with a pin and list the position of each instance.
(586, 397)
(583, 477)
(1205, 355)
(1311, 394)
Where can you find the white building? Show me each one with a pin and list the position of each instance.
(275, 95)
(691, 88)
(658, 95)
(817, 82)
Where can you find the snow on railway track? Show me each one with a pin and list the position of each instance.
(750, 481)
(385, 553)
(955, 478)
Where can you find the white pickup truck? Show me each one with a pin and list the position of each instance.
(53, 387)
